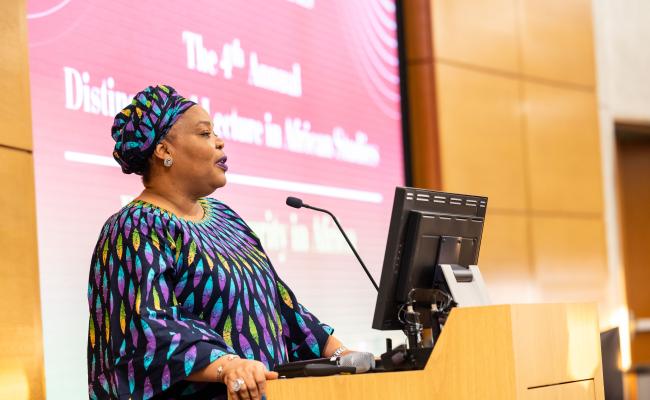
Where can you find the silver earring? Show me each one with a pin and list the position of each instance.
(168, 162)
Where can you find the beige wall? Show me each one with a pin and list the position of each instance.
(516, 119)
(622, 36)
(21, 350)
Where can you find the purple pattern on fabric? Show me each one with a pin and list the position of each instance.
(169, 311)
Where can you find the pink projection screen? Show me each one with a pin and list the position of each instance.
(306, 95)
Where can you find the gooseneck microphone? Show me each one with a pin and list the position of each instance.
(326, 370)
(297, 203)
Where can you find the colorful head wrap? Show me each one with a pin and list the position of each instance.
(143, 123)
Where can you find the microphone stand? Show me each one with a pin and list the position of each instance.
(301, 204)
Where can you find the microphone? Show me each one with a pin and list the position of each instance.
(362, 361)
(294, 202)
(297, 203)
(326, 370)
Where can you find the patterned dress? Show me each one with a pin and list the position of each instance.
(169, 296)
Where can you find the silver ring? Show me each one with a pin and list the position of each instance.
(237, 384)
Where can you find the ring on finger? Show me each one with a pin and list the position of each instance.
(237, 385)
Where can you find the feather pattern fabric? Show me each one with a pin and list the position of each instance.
(232, 293)
(221, 277)
(138, 267)
(151, 344)
(192, 253)
(127, 227)
(131, 294)
(239, 317)
(284, 293)
(118, 247)
(164, 290)
(227, 331)
(136, 240)
(252, 328)
(120, 280)
(156, 299)
(148, 389)
(246, 348)
(176, 339)
(122, 317)
(170, 296)
(131, 376)
(246, 297)
(198, 273)
(91, 332)
(216, 313)
(190, 358)
(166, 378)
(148, 253)
(134, 333)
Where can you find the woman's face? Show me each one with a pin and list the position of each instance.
(199, 161)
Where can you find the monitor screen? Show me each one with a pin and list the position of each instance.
(427, 229)
(305, 93)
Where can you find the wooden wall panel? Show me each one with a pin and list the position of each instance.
(21, 353)
(21, 348)
(558, 41)
(505, 252)
(634, 199)
(14, 76)
(481, 139)
(569, 250)
(634, 184)
(480, 33)
(423, 136)
(424, 139)
(518, 122)
(563, 149)
(417, 30)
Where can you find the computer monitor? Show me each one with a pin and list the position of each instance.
(427, 229)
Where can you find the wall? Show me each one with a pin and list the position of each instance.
(21, 351)
(516, 118)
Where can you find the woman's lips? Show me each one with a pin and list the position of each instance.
(221, 163)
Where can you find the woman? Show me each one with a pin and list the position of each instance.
(184, 303)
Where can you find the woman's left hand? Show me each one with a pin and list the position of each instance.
(246, 379)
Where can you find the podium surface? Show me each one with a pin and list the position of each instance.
(528, 351)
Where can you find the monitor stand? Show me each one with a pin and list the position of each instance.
(466, 285)
(467, 289)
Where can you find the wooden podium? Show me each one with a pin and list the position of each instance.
(535, 351)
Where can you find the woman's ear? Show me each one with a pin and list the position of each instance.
(162, 150)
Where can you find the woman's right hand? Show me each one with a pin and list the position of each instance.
(249, 375)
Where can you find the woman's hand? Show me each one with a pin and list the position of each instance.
(248, 377)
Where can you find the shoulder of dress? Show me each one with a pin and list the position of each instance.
(141, 217)
(215, 202)
(222, 207)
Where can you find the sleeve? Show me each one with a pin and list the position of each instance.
(304, 334)
(150, 341)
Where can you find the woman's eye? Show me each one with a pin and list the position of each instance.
(206, 133)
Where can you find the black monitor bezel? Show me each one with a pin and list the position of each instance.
(386, 308)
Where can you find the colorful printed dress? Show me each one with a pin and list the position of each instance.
(168, 296)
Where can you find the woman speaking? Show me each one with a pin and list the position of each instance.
(184, 302)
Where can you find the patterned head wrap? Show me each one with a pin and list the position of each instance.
(143, 123)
